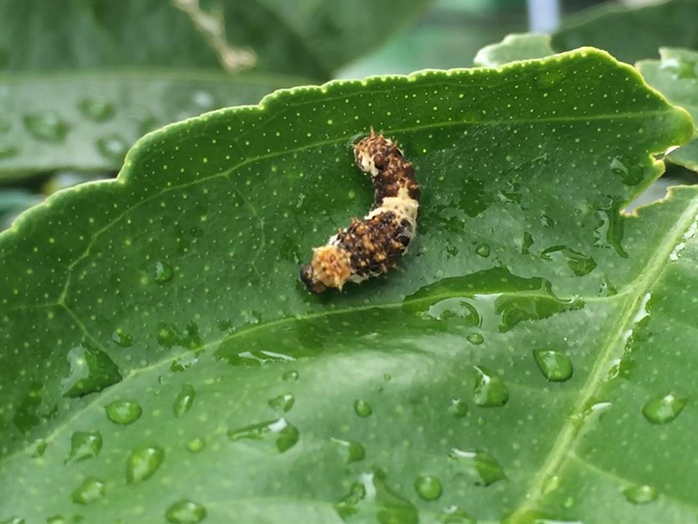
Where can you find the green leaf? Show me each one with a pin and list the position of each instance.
(309, 38)
(632, 33)
(676, 76)
(523, 46)
(522, 160)
(88, 121)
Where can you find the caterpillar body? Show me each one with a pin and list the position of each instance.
(372, 245)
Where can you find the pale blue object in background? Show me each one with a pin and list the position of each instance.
(543, 15)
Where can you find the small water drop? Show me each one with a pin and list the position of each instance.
(290, 376)
(480, 465)
(84, 445)
(458, 408)
(184, 400)
(578, 262)
(162, 272)
(123, 411)
(122, 338)
(362, 408)
(185, 512)
(371, 500)
(475, 338)
(56, 519)
(283, 403)
(661, 410)
(91, 371)
(629, 176)
(40, 448)
(351, 451)
(112, 146)
(555, 365)
(47, 126)
(278, 435)
(483, 250)
(640, 494)
(13, 520)
(89, 491)
(428, 487)
(143, 463)
(196, 444)
(96, 109)
(456, 515)
(489, 390)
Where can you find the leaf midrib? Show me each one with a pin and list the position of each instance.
(566, 439)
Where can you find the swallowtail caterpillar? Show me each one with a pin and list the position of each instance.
(373, 245)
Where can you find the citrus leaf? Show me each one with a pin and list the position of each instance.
(676, 76)
(87, 121)
(514, 47)
(668, 23)
(310, 39)
(416, 396)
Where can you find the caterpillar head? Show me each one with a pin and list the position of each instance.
(330, 267)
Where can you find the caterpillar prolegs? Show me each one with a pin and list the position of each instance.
(372, 245)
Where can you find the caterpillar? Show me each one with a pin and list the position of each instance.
(372, 245)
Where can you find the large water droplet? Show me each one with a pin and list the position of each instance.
(483, 468)
(162, 272)
(89, 491)
(351, 451)
(664, 409)
(96, 109)
(196, 444)
(185, 512)
(609, 230)
(275, 435)
(91, 370)
(630, 176)
(489, 390)
(123, 411)
(640, 494)
(112, 146)
(84, 445)
(47, 126)
(555, 365)
(143, 463)
(362, 408)
(428, 487)
(184, 400)
(283, 403)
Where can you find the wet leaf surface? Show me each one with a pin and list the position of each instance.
(399, 412)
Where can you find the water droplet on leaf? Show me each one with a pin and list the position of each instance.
(483, 468)
(458, 408)
(122, 338)
(428, 488)
(640, 494)
(185, 512)
(483, 250)
(84, 445)
(162, 272)
(123, 411)
(351, 451)
(196, 444)
(91, 370)
(555, 365)
(143, 463)
(97, 109)
(89, 491)
(362, 408)
(283, 403)
(275, 435)
(112, 147)
(664, 409)
(47, 126)
(290, 376)
(489, 390)
(184, 400)
(475, 338)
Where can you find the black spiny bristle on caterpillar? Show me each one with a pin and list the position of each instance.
(372, 245)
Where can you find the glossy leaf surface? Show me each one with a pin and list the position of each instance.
(411, 397)
(88, 121)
